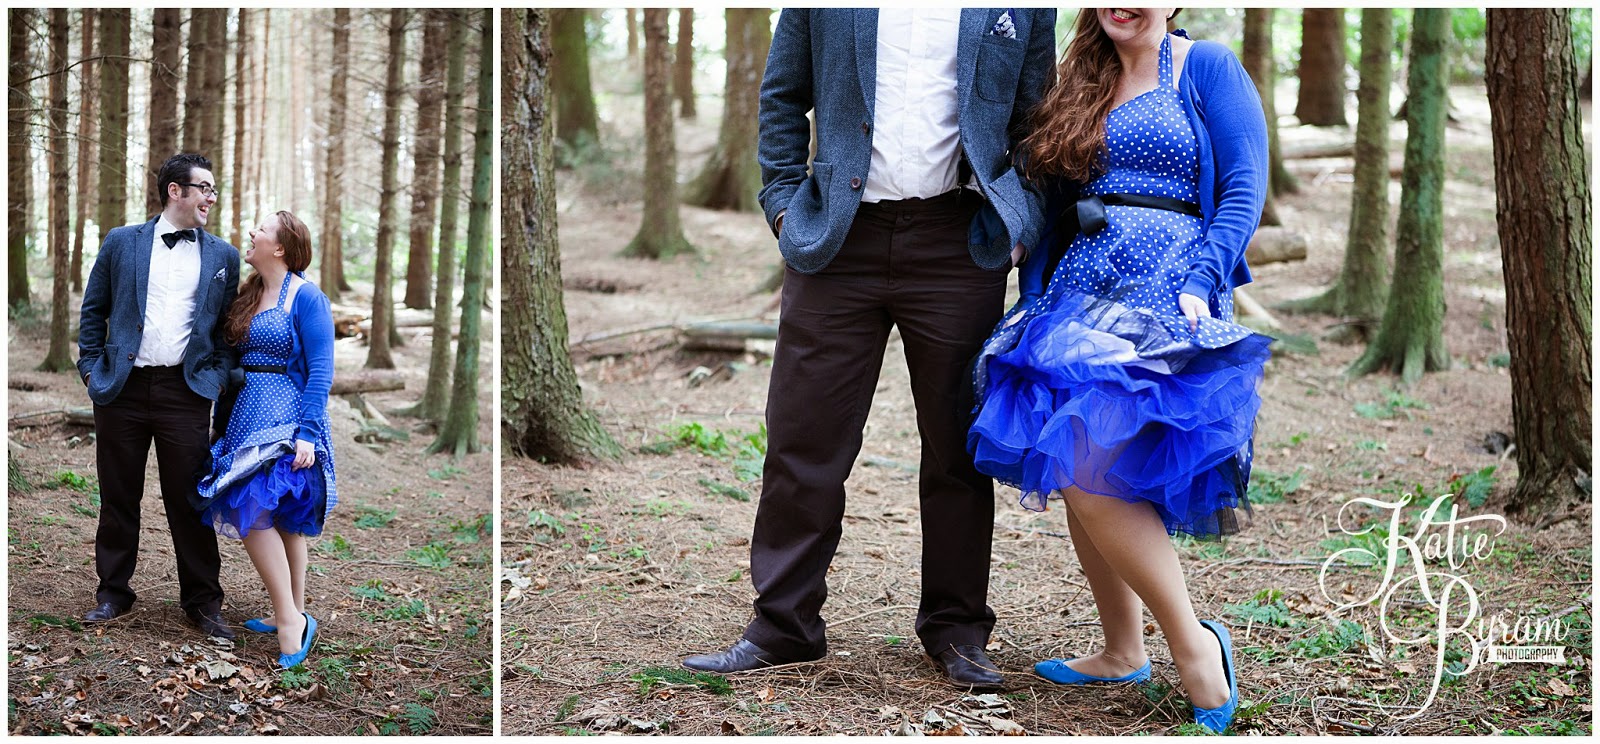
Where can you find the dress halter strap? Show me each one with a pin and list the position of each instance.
(1166, 60)
(283, 293)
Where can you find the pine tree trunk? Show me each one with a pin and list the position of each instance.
(297, 122)
(378, 356)
(59, 356)
(1321, 69)
(333, 175)
(19, 162)
(683, 66)
(661, 232)
(633, 33)
(1363, 283)
(577, 121)
(436, 396)
(541, 407)
(114, 32)
(195, 91)
(425, 175)
(88, 130)
(1542, 187)
(1256, 55)
(241, 132)
(166, 55)
(1410, 338)
(258, 184)
(217, 92)
(459, 435)
(731, 177)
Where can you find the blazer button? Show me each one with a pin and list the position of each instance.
(130, 357)
(141, 327)
(855, 183)
(866, 128)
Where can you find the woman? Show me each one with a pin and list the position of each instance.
(272, 478)
(1122, 387)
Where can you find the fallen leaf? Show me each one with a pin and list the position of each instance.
(956, 730)
(1561, 688)
(1005, 727)
(766, 695)
(729, 728)
(219, 669)
(994, 645)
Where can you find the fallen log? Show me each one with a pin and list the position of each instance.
(1327, 150)
(366, 383)
(725, 336)
(1276, 245)
(1252, 313)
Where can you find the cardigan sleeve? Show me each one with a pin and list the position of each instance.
(313, 319)
(1233, 118)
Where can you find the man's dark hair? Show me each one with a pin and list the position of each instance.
(177, 169)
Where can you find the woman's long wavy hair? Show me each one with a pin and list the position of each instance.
(295, 238)
(1068, 127)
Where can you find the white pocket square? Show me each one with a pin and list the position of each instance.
(221, 274)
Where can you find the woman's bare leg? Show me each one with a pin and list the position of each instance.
(1121, 613)
(267, 553)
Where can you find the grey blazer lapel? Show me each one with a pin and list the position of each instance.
(974, 23)
(866, 25)
(143, 240)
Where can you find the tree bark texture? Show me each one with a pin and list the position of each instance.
(541, 406)
(378, 355)
(731, 177)
(241, 130)
(88, 132)
(18, 160)
(459, 435)
(1410, 338)
(166, 55)
(1321, 69)
(1256, 55)
(425, 174)
(195, 92)
(577, 121)
(333, 174)
(683, 65)
(436, 395)
(661, 232)
(114, 32)
(59, 357)
(1542, 189)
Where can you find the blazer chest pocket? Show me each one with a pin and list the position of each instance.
(998, 69)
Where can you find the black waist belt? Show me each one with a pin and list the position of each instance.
(1092, 208)
(277, 369)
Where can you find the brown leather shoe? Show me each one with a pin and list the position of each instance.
(211, 624)
(105, 612)
(969, 667)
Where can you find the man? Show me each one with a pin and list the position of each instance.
(912, 215)
(152, 354)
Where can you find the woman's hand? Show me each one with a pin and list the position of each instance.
(1194, 309)
(305, 455)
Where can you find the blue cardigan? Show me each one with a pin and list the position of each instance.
(311, 364)
(1225, 112)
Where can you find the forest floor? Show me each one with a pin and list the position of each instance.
(612, 574)
(399, 582)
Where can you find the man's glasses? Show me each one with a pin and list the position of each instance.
(205, 188)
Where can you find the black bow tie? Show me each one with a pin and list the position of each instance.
(172, 238)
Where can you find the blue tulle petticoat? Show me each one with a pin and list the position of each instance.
(275, 496)
(1121, 401)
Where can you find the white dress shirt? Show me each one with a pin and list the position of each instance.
(916, 135)
(169, 299)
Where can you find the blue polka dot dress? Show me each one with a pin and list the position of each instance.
(1100, 384)
(252, 485)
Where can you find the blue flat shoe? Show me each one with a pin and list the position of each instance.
(1057, 671)
(1220, 718)
(256, 625)
(289, 661)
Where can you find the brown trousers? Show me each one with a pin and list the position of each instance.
(903, 264)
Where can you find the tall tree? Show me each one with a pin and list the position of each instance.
(1321, 69)
(425, 173)
(115, 28)
(633, 33)
(1541, 176)
(166, 49)
(378, 355)
(196, 94)
(731, 177)
(1363, 282)
(436, 395)
(577, 120)
(1410, 338)
(19, 161)
(58, 358)
(88, 132)
(241, 131)
(541, 408)
(259, 182)
(333, 281)
(661, 232)
(683, 66)
(1256, 55)
(217, 91)
(459, 435)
